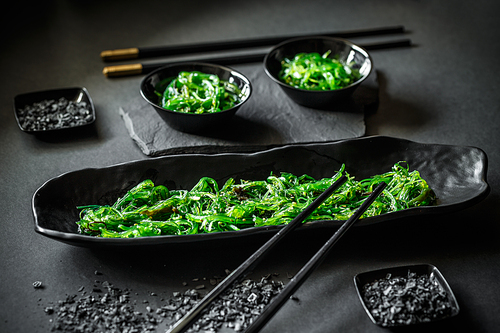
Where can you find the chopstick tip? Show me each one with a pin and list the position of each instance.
(122, 70)
(120, 54)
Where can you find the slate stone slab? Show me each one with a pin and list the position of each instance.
(268, 119)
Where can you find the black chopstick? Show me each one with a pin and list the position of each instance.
(156, 51)
(311, 265)
(137, 69)
(185, 322)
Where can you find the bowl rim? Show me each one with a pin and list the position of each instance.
(62, 90)
(196, 63)
(336, 39)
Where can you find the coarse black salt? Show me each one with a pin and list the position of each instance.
(403, 300)
(239, 306)
(53, 114)
(111, 309)
(110, 312)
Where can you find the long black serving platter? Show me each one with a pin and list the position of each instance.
(457, 174)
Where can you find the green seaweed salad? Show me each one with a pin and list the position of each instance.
(197, 92)
(312, 71)
(149, 210)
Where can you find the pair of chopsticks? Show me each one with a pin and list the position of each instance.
(171, 50)
(246, 267)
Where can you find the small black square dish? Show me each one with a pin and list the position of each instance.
(53, 110)
(405, 295)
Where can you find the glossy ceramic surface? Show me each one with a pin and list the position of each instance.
(194, 123)
(368, 277)
(457, 174)
(346, 51)
(76, 94)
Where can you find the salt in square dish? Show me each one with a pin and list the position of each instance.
(54, 110)
(406, 295)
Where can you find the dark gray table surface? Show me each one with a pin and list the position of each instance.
(443, 90)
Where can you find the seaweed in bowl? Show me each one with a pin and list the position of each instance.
(318, 72)
(197, 92)
(195, 97)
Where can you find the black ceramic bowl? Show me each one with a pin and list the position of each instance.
(406, 295)
(187, 122)
(54, 110)
(348, 53)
